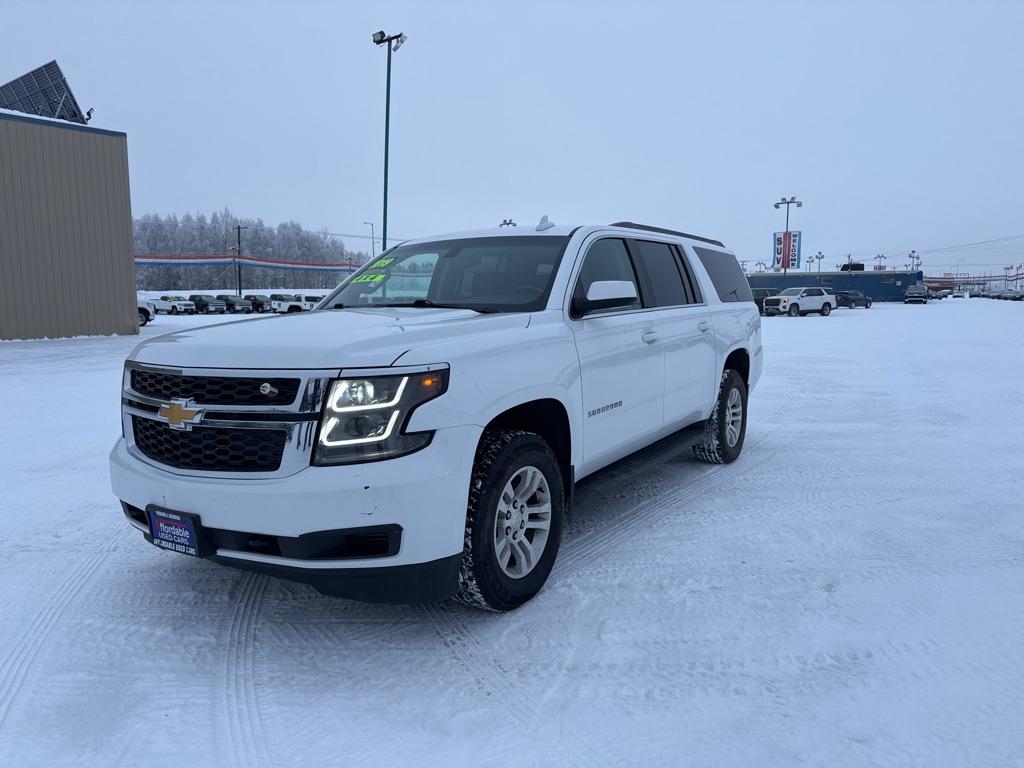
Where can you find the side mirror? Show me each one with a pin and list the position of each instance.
(605, 294)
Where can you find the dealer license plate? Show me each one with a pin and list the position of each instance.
(176, 531)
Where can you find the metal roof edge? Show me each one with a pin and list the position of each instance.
(24, 117)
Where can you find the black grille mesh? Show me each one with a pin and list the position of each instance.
(213, 449)
(213, 390)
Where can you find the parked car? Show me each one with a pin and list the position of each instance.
(147, 311)
(760, 294)
(309, 301)
(260, 303)
(430, 450)
(916, 294)
(236, 303)
(173, 305)
(208, 304)
(285, 302)
(799, 301)
(852, 299)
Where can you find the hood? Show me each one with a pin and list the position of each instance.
(340, 338)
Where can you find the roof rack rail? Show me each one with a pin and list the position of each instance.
(646, 228)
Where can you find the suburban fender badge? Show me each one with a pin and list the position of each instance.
(179, 415)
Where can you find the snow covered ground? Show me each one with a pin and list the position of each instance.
(850, 592)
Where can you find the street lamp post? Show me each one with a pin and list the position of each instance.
(238, 259)
(1006, 277)
(880, 258)
(818, 257)
(762, 266)
(787, 202)
(1016, 275)
(393, 43)
(373, 240)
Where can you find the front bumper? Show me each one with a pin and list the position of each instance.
(424, 493)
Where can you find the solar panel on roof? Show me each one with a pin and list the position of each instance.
(44, 92)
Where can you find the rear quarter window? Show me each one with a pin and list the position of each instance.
(725, 273)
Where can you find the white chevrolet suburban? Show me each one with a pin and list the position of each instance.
(418, 436)
(800, 301)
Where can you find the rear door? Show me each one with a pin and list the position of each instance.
(684, 330)
(622, 366)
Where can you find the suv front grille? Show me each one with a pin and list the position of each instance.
(211, 449)
(772, 302)
(213, 390)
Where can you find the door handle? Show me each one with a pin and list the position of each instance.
(704, 325)
(649, 337)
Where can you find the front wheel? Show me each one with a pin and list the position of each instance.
(867, 305)
(174, 310)
(726, 428)
(794, 310)
(513, 521)
(826, 310)
(143, 319)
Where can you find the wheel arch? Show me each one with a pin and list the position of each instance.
(547, 417)
(738, 360)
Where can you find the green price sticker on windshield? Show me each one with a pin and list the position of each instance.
(381, 263)
(369, 278)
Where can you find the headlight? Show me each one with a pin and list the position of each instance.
(365, 419)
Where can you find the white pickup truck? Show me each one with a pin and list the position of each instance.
(419, 437)
(799, 302)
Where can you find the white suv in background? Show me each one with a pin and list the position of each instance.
(419, 437)
(800, 301)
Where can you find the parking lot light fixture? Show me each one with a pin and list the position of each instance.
(784, 201)
(393, 43)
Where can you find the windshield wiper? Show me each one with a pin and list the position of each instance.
(435, 305)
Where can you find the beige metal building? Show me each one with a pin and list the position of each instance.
(66, 264)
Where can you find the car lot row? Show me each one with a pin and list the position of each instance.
(1004, 295)
(207, 304)
(797, 302)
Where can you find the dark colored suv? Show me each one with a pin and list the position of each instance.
(852, 299)
(760, 294)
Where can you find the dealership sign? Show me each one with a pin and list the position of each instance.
(787, 250)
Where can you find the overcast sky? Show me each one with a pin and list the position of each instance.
(898, 124)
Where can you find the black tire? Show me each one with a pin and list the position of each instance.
(174, 310)
(482, 583)
(867, 305)
(713, 447)
(294, 309)
(826, 309)
(794, 310)
(143, 318)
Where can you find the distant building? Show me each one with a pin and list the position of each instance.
(880, 286)
(66, 264)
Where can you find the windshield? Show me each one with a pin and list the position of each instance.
(485, 274)
(790, 292)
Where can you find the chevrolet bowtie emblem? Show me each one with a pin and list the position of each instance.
(179, 416)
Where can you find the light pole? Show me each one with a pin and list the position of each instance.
(507, 223)
(880, 258)
(238, 259)
(1006, 277)
(393, 43)
(818, 257)
(787, 202)
(915, 260)
(1016, 275)
(373, 240)
(762, 266)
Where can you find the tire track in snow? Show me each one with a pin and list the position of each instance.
(587, 547)
(16, 665)
(504, 684)
(248, 740)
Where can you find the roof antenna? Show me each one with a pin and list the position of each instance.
(544, 224)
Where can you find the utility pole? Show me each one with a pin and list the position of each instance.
(787, 202)
(393, 43)
(373, 240)
(238, 259)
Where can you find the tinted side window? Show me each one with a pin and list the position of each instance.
(815, 292)
(663, 285)
(605, 260)
(724, 271)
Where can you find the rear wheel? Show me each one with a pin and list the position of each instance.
(826, 310)
(513, 521)
(174, 310)
(794, 310)
(867, 304)
(726, 429)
